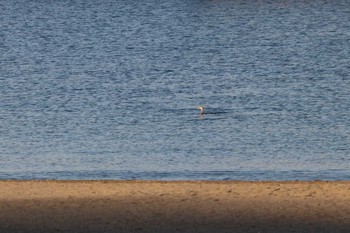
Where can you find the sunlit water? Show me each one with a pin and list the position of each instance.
(109, 89)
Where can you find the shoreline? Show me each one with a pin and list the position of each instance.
(174, 206)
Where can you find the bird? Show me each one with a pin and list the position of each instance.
(201, 109)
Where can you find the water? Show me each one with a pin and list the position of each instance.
(109, 89)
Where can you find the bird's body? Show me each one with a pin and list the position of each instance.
(201, 109)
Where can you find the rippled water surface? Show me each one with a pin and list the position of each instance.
(109, 89)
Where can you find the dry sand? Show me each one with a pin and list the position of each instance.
(154, 206)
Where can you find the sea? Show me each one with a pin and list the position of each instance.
(110, 89)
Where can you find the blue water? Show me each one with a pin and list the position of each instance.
(109, 89)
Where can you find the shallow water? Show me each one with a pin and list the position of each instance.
(110, 89)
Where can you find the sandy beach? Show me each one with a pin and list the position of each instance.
(155, 206)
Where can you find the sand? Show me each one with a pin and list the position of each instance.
(155, 206)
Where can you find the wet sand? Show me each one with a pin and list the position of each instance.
(155, 206)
